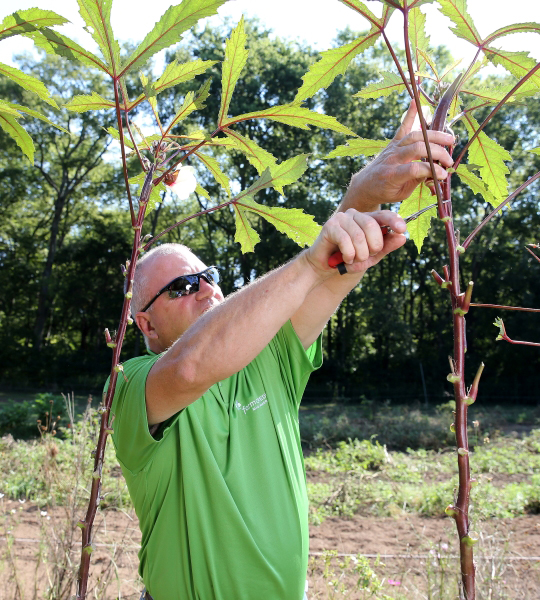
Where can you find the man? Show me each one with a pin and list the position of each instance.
(206, 427)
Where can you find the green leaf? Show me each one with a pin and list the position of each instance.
(244, 235)
(9, 124)
(333, 62)
(235, 59)
(359, 146)
(169, 28)
(361, 8)
(456, 11)
(490, 157)
(420, 198)
(262, 182)
(191, 103)
(297, 116)
(25, 21)
(37, 115)
(7, 109)
(535, 150)
(426, 56)
(288, 171)
(515, 28)
(417, 35)
(55, 43)
(517, 63)
(500, 325)
(176, 73)
(475, 183)
(213, 166)
(390, 83)
(257, 156)
(82, 104)
(28, 82)
(293, 222)
(97, 16)
(127, 141)
(202, 192)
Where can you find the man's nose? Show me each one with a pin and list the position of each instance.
(205, 289)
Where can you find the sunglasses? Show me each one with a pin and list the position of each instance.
(186, 284)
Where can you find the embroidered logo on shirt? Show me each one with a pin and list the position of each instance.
(254, 405)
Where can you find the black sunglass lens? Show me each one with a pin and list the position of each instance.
(211, 275)
(183, 286)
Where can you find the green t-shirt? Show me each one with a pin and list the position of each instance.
(220, 490)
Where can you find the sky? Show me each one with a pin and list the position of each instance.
(313, 21)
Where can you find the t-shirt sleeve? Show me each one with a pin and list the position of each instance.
(131, 436)
(295, 363)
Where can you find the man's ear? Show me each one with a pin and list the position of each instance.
(144, 323)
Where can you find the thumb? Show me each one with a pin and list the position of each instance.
(408, 121)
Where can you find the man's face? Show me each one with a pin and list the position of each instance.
(168, 318)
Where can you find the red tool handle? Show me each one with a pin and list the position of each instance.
(336, 260)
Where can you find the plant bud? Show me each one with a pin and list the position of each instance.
(460, 249)
(96, 475)
(446, 219)
(130, 321)
(129, 295)
(89, 548)
(471, 539)
(453, 378)
(468, 400)
(460, 312)
(453, 428)
(118, 368)
(473, 482)
(81, 524)
(450, 511)
(462, 451)
(446, 284)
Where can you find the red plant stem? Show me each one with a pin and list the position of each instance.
(171, 227)
(531, 252)
(461, 512)
(494, 112)
(475, 231)
(133, 140)
(502, 307)
(419, 109)
(122, 149)
(398, 65)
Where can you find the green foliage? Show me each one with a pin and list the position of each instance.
(418, 228)
(21, 419)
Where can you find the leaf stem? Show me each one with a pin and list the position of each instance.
(475, 231)
(503, 307)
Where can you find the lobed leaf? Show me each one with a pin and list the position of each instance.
(28, 82)
(244, 235)
(56, 43)
(36, 114)
(490, 157)
(535, 150)
(362, 9)
(333, 62)
(515, 28)
(288, 171)
(257, 156)
(475, 183)
(97, 16)
(169, 28)
(517, 63)
(420, 198)
(25, 21)
(430, 61)
(390, 83)
(417, 35)
(358, 147)
(235, 60)
(456, 11)
(297, 116)
(213, 166)
(192, 102)
(176, 73)
(8, 109)
(293, 222)
(202, 192)
(9, 124)
(85, 103)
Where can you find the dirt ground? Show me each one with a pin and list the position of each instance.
(418, 555)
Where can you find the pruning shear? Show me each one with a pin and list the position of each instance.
(336, 260)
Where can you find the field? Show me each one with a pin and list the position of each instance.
(378, 528)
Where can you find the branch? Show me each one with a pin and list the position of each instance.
(475, 231)
(503, 336)
(505, 307)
